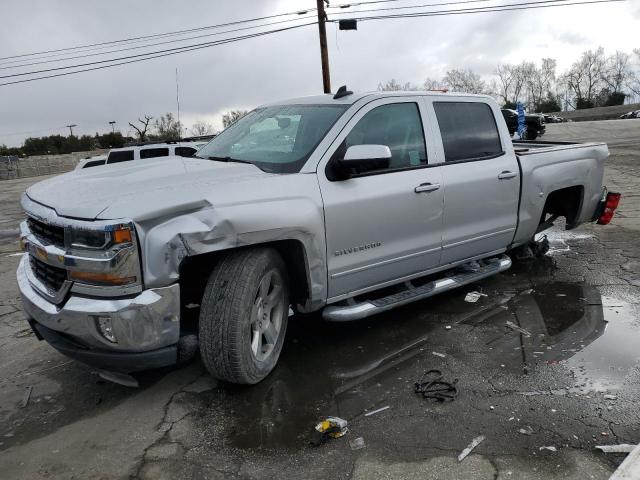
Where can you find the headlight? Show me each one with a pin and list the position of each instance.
(98, 239)
(103, 257)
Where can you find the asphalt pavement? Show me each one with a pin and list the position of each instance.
(545, 364)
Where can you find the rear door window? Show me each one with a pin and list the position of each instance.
(468, 129)
(154, 152)
(120, 156)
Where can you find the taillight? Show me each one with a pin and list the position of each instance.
(610, 204)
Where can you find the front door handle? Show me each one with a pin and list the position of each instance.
(506, 175)
(426, 187)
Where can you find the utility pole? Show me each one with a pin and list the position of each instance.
(70, 127)
(113, 127)
(324, 54)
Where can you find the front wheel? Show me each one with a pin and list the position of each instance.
(243, 316)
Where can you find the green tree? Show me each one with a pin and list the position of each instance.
(167, 127)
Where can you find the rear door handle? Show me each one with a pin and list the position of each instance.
(506, 175)
(426, 187)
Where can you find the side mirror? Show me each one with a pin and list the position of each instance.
(364, 158)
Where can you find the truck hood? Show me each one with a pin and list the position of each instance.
(141, 188)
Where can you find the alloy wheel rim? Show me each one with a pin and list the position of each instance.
(266, 316)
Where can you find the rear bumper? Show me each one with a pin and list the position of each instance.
(146, 326)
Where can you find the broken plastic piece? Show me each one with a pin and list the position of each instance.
(438, 354)
(473, 297)
(515, 327)
(526, 431)
(357, 443)
(329, 427)
(474, 443)
(27, 395)
(610, 397)
(550, 448)
(373, 412)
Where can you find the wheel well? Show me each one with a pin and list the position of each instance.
(195, 271)
(566, 202)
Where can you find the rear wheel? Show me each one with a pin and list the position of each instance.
(243, 317)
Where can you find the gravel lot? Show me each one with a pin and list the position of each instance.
(523, 391)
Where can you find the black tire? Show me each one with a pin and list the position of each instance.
(229, 312)
(532, 134)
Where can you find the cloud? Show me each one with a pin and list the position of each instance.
(255, 71)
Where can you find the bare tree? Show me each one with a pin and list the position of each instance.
(522, 73)
(633, 83)
(585, 77)
(540, 81)
(201, 128)
(504, 86)
(142, 130)
(466, 81)
(432, 84)
(394, 86)
(232, 116)
(617, 71)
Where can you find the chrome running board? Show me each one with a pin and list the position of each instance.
(366, 308)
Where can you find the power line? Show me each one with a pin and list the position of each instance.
(97, 62)
(487, 9)
(406, 7)
(185, 49)
(159, 43)
(176, 32)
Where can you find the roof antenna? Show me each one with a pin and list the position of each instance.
(342, 92)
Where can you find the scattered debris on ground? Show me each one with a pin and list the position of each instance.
(438, 354)
(329, 427)
(474, 443)
(526, 431)
(515, 327)
(373, 412)
(27, 396)
(473, 297)
(432, 386)
(610, 397)
(357, 443)
(551, 448)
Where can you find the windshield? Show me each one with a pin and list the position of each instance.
(276, 139)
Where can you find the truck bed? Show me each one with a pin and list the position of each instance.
(546, 167)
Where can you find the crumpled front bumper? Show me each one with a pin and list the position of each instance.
(146, 326)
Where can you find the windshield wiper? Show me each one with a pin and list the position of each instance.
(228, 159)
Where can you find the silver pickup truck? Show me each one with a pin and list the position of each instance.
(351, 204)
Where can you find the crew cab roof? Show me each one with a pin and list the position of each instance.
(327, 99)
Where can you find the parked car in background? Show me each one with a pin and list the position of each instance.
(534, 123)
(632, 114)
(139, 152)
(552, 118)
(155, 150)
(325, 203)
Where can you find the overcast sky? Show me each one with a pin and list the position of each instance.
(245, 74)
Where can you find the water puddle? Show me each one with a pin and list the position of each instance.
(348, 369)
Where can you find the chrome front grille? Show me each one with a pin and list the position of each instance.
(52, 277)
(50, 234)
